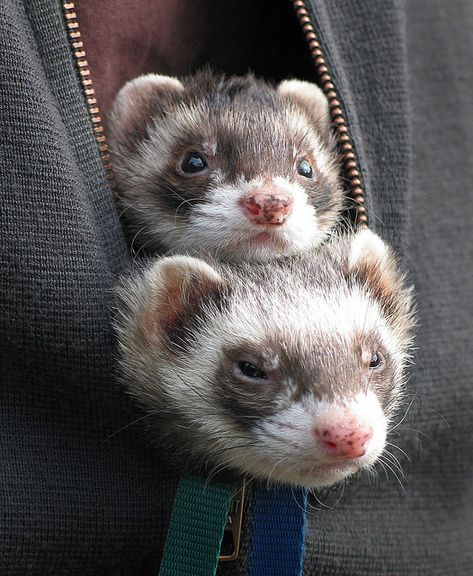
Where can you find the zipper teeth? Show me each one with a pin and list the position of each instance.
(350, 165)
(77, 45)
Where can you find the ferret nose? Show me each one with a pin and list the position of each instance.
(268, 208)
(344, 442)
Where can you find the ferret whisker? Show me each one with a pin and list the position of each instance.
(219, 435)
(342, 492)
(141, 249)
(405, 414)
(140, 231)
(419, 394)
(389, 466)
(170, 191)
(381, 463)
(284, 425)
(282, 439)
(389, 456)
(136, 421)
(246, 444)
(215, 471)
(344, 484)
(189, 201)
(296, 500)
(435, 442)
(433, 410)
(386, 457)
(400, 450)
(372, 473)
(270, 473)
(120, 214)
(319, 501)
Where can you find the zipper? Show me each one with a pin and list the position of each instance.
(350, 165)
(77, 45)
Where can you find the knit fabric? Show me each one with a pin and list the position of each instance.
(83, 491)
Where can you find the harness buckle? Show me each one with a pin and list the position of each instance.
(232, 531)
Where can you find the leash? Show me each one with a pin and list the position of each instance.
(203, 511)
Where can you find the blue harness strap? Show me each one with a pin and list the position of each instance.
(277, 531)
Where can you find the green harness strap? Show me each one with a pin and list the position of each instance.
(196, 528)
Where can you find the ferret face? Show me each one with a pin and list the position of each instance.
(233, 166)
(291, 371)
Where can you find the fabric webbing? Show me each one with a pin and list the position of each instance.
(195, 532)
(277, 531)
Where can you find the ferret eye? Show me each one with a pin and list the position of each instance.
(251, 371)
(193, 163)
(304, 169)
(376, 361)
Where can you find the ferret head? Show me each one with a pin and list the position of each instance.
(290, 372)
(231, 166)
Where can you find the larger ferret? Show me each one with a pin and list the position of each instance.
(290, 371)
(234, 166)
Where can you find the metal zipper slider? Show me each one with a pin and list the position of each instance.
(232, 531)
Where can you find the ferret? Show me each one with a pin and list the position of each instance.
(233, 166)
(289, 371)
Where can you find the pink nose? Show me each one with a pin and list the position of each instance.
(344, 442)
(268, 208)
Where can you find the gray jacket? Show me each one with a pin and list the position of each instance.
(82, 491)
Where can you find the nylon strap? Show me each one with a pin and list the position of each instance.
(277, 532)
(198, 519)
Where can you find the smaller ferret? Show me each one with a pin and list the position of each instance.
(290, 371)
(232, 166)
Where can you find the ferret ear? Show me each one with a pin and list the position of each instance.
(139, 101)
(373, 262)
(366, 248)
(311, 98)
(176, 285)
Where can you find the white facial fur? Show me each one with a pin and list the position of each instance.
(290, 450)
(221, 223)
